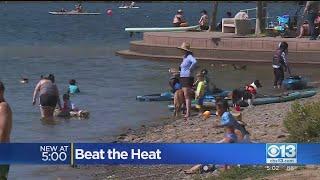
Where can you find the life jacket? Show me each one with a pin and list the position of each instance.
(277, 58)
(252, 88)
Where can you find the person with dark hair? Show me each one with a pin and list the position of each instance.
(311, 11)
(48, 96)
(204, 20)
(73, 87)
(186, 78)
(219, 25)
(280, 64)
(5, 127)
(179, 20)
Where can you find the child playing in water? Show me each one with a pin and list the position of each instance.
(69, 108)
(73, 88)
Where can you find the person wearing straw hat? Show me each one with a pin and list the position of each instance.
(187, 66)
(179, 20)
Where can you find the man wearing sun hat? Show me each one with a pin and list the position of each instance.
(178, 20)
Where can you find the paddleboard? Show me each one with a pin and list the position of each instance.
(157, 29)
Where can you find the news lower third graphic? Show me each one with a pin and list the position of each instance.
(159, 153)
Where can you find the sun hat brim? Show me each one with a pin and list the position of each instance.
(185, 49)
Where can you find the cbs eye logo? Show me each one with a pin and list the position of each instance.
(281, 153)
(273, 151)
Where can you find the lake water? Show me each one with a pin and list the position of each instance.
(34, 43)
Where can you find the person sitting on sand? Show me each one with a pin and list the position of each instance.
(204, 20)
(230, 135)
(200, 92)
(227, 117)
(179, 20)
(73, 88)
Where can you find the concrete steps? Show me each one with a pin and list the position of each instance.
(222, 48)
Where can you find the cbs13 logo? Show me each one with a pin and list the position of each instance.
(281, 152)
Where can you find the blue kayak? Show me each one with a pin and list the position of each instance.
(168, 96)
(294, 82)
(263, 100)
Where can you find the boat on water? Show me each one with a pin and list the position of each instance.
(165, 29)
(260, 101)
(168, 96)
(73, 13)
(128, 7)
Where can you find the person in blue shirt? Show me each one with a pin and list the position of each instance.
(186, 80)
(73, 88)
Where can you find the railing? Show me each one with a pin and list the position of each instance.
(254, 9)
(251, 9)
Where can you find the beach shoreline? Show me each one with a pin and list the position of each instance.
(264, 122)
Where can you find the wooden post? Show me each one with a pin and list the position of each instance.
(259, 18)
(214, 16)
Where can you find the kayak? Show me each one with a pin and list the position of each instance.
(294, 82)
(72, 13)
(168, 96)
(127, 7)
(260, 101)
(157, 29)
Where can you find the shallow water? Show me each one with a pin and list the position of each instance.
(34, 43)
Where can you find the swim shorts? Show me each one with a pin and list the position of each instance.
(48, 100)
(186, 81)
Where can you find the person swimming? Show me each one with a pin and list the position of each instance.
(73, 88)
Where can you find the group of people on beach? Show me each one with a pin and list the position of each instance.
(182, 84)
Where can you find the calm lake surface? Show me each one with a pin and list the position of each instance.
(34, 43)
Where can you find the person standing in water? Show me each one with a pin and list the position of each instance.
(280, 64)
(5, 127)
(48, 96)
(73, 87)
(187, 66)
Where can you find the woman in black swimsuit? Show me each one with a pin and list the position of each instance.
(48, 94)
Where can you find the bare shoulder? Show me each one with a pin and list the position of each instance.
(5, 107)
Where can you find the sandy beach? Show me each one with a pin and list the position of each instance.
(264, 122)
